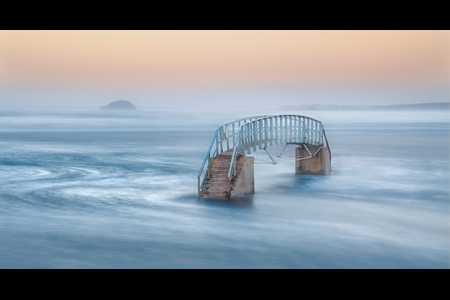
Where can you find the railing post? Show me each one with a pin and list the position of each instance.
(275, 123)
(235, 156)
(317, 133)
(221, 140)
(320, 134)
(254, 136)
(308, 131)
(242, 141)
(285, 129)
(260, 133)
(303, 130)
(217, 145)
(294, 138)
(249, 137)
(264, 123)
(271, 131)
(234, 137)
(296, 128)
(243, 133)
(291, 136)
(281, 129)
(244, 136)
(299, 129)
(294, 120)
(227, 131)
(323, 136)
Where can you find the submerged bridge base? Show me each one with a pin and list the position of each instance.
(244, 182)
(319, 164)
(216, 184)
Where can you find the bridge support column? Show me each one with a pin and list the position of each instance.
(244, 182)
(320, 164)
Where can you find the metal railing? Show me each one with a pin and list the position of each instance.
(260, 132)
(224, 138)
(275, 130)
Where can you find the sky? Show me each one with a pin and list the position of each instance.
(222, 69)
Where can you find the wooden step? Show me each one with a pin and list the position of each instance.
(215, 160)
(219, 175)
(219, 195)
(219, 180)
(222, 168)
(216, 172)
(215, 184)
(218, 190)
(214, 194)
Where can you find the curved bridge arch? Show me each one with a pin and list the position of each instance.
(247, 135)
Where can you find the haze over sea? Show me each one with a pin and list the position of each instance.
(102, 189)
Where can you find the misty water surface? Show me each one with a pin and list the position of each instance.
(119, 190)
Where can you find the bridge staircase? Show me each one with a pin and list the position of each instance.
(217, 184)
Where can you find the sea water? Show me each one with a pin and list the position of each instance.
(82, 189)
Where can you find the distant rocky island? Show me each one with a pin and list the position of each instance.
(440, 106)
(119, 105)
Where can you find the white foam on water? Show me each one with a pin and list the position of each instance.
(92, 194)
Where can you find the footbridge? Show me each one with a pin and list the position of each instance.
(228, 170)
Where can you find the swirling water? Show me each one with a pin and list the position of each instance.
(119, 190)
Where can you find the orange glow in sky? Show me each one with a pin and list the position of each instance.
(183, 58)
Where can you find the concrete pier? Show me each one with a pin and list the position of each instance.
(320, 164)
(244, 182)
